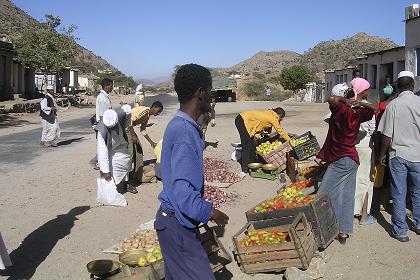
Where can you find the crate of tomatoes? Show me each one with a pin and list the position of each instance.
(274, 245)
(292, 201)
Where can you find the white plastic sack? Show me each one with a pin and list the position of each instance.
(107, 193)
(236, 154)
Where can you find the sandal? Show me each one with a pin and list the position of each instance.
(370, 220)
(342, 238)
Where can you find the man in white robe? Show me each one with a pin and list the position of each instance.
(48, 114)
(112, 148)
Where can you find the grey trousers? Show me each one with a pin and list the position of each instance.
(339, 182)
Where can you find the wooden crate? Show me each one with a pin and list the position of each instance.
(218, 256)
(278, 156)
(277, 257)
(319, 213)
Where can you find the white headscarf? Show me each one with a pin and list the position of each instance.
(110, 118)
(339, 89)
(126, 108)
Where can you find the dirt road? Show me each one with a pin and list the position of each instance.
(52, 227)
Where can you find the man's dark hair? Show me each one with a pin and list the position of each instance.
(157, 104)
(280, 111)
(106, 82)
(405, 83)
(355, 71)
(188, 79)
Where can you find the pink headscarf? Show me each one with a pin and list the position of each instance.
(359, 85)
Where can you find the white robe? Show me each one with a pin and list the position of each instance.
(117, 160)
(50, 131)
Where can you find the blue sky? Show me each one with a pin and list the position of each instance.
(145, 39)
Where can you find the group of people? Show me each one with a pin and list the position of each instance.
(119, 152)
(363, 135)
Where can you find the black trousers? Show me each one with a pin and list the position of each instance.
(248, 154)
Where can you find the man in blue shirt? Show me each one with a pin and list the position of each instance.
(183, 206)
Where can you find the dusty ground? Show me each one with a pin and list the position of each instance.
(52, 228)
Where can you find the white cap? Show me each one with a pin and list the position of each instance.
(406, 74)
(338, 90)
(50, 87)
(110, 118)
(126, 108)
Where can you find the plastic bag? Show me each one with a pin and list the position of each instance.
(107, 193)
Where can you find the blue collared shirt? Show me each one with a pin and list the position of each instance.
(182, 172)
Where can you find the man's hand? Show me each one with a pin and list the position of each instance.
(220, 218)
(107, 176)
(351, 102)
(153, 144)
(213, 123)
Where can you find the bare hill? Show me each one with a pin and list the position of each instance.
(337, 53)
(264, 62)
(14, 21)
(325, 55)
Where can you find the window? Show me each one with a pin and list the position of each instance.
(337, 79)
(374, 71)
(365, 74)
(341, 79)
(345, 78)
(2, 70)
(418, 62)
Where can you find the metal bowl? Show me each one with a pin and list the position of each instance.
(131, 257)
(103, 268)
(254, 166)
(269, 167)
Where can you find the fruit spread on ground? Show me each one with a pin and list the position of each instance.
(221, 176)
(142, 239)
(267, 147)
(291, 197)
(217, 196)
(211, 164)
(261, 237)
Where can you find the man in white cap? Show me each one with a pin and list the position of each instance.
(400, 128)
(48, 114)
(139, 96)
(112, 149)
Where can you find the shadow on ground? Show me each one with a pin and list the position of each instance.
(9, 120)
(36, 247)
(69, 141)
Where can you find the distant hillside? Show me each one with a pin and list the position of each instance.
(337, 54)
(14, 21)
(325, 55)
(264, 62)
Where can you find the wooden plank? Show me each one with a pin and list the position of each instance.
(271, 266)
(289, 254)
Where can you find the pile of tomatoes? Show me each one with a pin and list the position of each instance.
(291, 197)
(261, 237)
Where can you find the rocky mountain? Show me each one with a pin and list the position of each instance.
(13, 21)
(330, 54)
(335, 54)
(265, 62)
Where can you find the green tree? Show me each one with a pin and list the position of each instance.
(45, 48)
(295, 77)
(254, 88)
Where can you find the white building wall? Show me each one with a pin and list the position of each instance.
(412, 42)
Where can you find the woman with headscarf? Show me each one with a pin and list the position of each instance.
(139, 96)
(340, 153)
